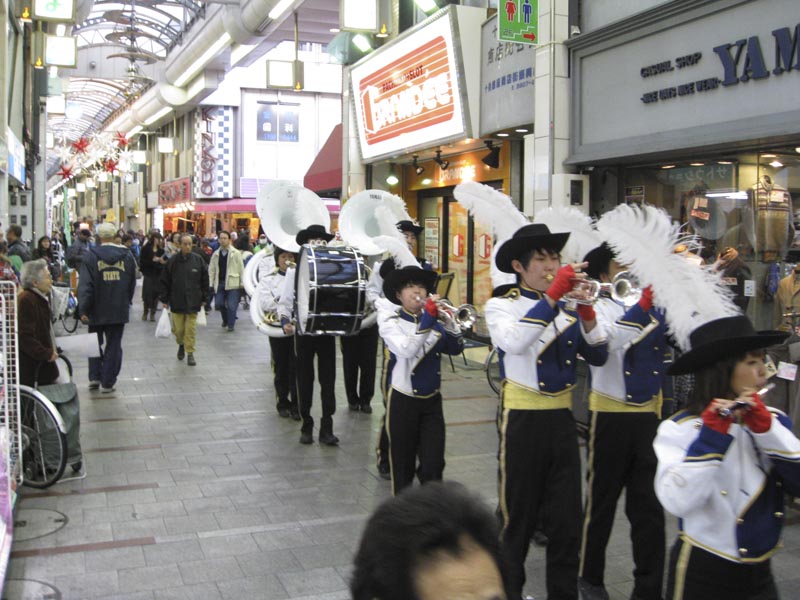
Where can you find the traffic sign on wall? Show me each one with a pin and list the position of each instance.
(519, 21)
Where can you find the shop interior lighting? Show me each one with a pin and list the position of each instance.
(492, 159)
(443, 164)
(80, 187)
(418, 168)
(521, 130)
(797, 149)
(502, 135)
(426, 6)
(668, 167)
(776, 164)
(697, 164)
(391, 178)
(724, 162)
(769, 156)
(426, 181)
(361, 42)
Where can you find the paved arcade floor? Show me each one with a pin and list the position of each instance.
(195, 488)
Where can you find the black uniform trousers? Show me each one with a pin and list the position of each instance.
(416, 429)
(621, 455)
(383, 439)
(324, 347)
(540, 475)
(696, 574)
(359, 361)
(283, 368)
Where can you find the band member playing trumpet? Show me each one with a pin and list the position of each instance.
(624, 404)
(538, 338)
(415, 341)
(723, 467)
(373, 293)
(305, 347)
(270, 287)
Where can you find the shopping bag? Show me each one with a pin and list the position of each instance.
(202, 321)
(80, 345)
(164, 327)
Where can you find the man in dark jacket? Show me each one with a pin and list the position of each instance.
(16, 247)
(184, 289)
(105, 293)
(79, 247)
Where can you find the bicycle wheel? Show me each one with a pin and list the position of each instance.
(44, 444)
(492, 368)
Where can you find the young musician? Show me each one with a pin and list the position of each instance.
(415, 341)
(270, 286)
(624, 403)
(306, 347)
(724, 465)
(538, 338)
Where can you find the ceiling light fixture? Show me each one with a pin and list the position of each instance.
(418, 169)
(391, 178)
(776, 164)
(443, 164)
(492, 160)
(502, 135)
(668, 167)
(697, 164)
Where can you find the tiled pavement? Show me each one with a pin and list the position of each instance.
(195, 488)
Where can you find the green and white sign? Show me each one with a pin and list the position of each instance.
(54, 10)
(519, 21)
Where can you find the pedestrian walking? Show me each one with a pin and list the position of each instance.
(225, 275)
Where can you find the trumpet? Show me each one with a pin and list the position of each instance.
(462, 317)
(624, 288)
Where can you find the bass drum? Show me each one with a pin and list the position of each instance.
(330, 290)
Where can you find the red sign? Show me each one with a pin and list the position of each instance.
(409, 94)
(484, 246)
(175, 191)
(458, 245)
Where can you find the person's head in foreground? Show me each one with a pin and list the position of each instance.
(434, 542)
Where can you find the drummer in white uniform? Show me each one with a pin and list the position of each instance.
(306, 346)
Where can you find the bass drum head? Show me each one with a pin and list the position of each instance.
(301, 285)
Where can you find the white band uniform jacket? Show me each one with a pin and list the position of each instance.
(416, 345)
(270, 287)
(538, 345)
(286, 297)
(727, 489)
(637, 345)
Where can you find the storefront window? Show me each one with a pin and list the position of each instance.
(741, 202)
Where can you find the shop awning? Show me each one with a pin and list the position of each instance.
(325, 173)
(230, 205)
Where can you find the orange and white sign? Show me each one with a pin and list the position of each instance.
(407, 93)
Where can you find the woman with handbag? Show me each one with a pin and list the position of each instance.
(37, 343)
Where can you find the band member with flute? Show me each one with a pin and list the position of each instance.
(724, 465)
(415, 339)
(625, 408)
(538, 338)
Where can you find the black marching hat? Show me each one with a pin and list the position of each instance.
(313, 232)
(409, 226)
(720, 339)
(535, 235)
(397, 279)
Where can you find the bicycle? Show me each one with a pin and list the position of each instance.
(44, 452)
(493, 373)
(64, 306)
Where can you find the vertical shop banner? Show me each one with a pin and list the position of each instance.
(519, 21)
(213, 152)
(431, 241)
(457, 251)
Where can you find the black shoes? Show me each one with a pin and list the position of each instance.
(366, 409)
(306, 439)
(296, 416)
(353, 407)
(589, 591)
(539, 538)
(181, 352)
(190, 360)
(284, 412)
(328, 439)
(384, 471)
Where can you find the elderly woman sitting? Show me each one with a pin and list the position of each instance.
(37, 342)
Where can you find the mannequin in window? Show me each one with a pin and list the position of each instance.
(772, 206)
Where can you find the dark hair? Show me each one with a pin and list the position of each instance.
(228, 233)
(3, 247)
(154, 235)
(15, 229)
(408, 529)
(714, 381)
(243, 243)
(276, 252)
(41, 239)
(599, 260)
(528, 254)
(127, 238)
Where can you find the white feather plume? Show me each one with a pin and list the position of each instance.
(398, 249)
(644, 239)
(490, 208)
(387, 218)
(582, 235)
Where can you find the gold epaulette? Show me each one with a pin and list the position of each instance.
(512, 294)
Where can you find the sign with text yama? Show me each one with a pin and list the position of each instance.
(408, 95)
(519, 21)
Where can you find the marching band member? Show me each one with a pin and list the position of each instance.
(374, 292)
(415, 341)
(306, 346)
(724, 464)
(270, 286)
(538, 338)
(624, 404)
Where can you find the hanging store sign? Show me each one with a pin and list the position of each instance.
(408, 94)
(213, 152)
(175, 191)
(721, 76)
(54, 10)
(16, 157)
(519, 21)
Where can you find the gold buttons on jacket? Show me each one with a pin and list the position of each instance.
(569, 342)
(415, 391)
(779, 514)
(723, 492)
(655, 372)
(627, 373)
(568, 361)
(538, 362)
(629, 397)
(739, 521)
(541, 384)
(743, 551)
